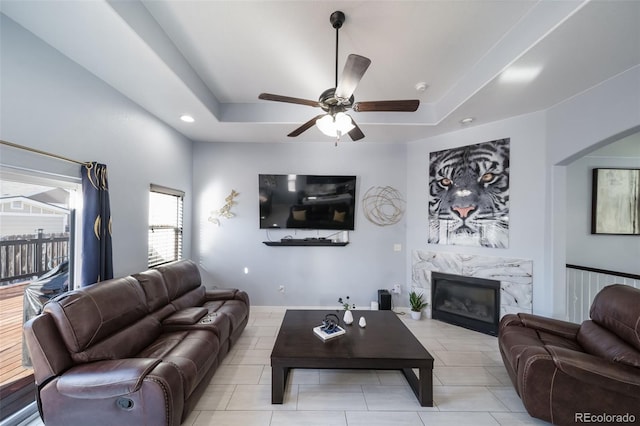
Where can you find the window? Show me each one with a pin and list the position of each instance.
(165, 225)
(37, 211)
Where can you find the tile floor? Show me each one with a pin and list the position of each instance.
(471, 386)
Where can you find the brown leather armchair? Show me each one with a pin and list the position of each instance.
(568, 373)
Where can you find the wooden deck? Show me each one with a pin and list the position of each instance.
(11, 368)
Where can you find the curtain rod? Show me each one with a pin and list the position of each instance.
(37, 151)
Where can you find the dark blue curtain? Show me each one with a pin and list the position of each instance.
(96, 262)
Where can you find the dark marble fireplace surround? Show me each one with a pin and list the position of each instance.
(469, 302)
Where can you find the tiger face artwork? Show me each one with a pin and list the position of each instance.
(469, 195)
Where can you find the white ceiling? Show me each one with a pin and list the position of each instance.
(211, 59)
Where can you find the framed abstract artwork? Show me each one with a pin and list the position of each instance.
(469, 195)
(615, 202)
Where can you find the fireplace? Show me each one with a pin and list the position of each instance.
(469, 302)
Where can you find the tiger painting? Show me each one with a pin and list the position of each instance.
(469, 195)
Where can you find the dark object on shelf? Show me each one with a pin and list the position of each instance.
(384, 300)
(560, 368)
(305, 242)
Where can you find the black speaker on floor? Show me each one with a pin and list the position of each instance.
(384, 300)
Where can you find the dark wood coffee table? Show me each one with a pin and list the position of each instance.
(384, 344)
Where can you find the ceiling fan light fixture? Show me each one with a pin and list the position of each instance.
(335, 125)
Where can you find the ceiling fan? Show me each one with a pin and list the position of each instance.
(335, 101)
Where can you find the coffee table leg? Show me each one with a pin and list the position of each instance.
(425, 382)
(422, 387)
(278, 382)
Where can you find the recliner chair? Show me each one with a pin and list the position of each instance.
(568, 373)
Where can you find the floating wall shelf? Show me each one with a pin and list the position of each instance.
(308, 243)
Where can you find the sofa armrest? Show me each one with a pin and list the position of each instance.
(105, 379)
(596, 371)
(567, 330)
(185, 316)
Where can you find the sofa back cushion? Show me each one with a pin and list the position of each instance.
(615, 308)
(600, 342)
(154, 288)
(97, 314)
(180, 277)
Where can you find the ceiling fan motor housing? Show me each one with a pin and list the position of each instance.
(329, 102)
(337, 19)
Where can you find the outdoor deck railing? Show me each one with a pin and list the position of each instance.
(26, 257)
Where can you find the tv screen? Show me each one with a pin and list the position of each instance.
(307, 202)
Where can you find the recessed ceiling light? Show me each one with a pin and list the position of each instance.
(467, 120)
(187, 118)
(520, 74)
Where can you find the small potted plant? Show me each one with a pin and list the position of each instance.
(348, 316)
(417, 304)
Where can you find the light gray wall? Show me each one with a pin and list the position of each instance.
(527, 193)
(50, 103)
(612, 252)
(575, 127)
(312, 276)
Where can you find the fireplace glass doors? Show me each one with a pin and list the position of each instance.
(469, 302)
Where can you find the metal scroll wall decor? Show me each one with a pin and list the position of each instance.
(225, 211)
(383, 205)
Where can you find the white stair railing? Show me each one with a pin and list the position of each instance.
(583, 283)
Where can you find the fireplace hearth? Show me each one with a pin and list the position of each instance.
(469, 302)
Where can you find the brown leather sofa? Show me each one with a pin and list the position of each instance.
(568, 373)
(138, 350)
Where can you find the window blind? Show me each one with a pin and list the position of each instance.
(165, 225)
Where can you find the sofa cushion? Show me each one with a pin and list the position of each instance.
(180, 277)
(600, 342)
(154, 287)
(193, 297)
(125, 343)
(189, 351)
(615, 308)
(87, 316)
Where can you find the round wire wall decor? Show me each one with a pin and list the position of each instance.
(383, 205)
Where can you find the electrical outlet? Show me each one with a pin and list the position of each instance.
(281, 289)
(396, 288)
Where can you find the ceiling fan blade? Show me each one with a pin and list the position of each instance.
(306, 126)
(356, 134)
(288, 99)
(353, 71)
(408, 105)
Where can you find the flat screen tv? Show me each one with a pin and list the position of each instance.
(307, 202)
